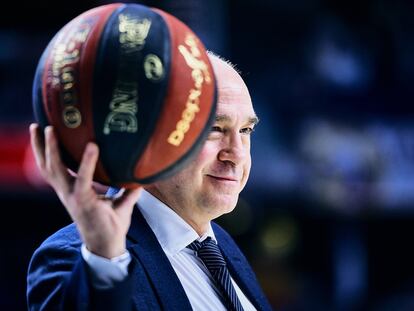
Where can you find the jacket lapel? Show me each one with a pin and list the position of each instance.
(144, 246)
(240, 270)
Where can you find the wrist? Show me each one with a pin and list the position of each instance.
(107, 252)
(105, 272)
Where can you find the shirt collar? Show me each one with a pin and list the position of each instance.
(172, 232)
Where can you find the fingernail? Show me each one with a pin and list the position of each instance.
(91, 147)
(49, 129)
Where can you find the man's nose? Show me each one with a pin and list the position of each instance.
(233, 149)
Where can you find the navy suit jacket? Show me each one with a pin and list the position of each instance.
(58, 277)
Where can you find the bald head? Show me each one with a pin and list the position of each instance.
(229, 81)
(226, 74)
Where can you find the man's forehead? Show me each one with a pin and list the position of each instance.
(250, 119)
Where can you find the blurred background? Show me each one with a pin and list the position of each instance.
(327, 218)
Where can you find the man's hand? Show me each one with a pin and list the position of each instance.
(103, 223)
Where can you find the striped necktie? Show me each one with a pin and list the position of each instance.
(212, 258)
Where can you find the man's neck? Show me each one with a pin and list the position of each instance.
(199, 225)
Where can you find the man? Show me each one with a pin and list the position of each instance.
(116, 256)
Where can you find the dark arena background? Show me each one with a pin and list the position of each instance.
(327, 218)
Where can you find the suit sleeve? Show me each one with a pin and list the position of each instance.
(60, 279)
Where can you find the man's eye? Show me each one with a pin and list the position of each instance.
(247, 130)
(216, 129)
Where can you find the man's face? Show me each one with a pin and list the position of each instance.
(210, 185)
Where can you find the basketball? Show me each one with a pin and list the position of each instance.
(133, 79)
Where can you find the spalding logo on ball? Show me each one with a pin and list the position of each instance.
(133, 79)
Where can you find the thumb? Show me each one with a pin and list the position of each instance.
(126, 202)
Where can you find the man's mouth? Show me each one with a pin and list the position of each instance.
(223, 178)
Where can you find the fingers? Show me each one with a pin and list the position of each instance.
(47, 156)
(130, 196)
(125, 204)
(87, 168)
(55, 169)
(100, 188)
(38, 146)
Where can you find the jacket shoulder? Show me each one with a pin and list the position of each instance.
(66, 237)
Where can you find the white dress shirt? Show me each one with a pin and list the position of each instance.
(173, 234)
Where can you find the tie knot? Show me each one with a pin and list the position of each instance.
(209, 252)
(196, 245)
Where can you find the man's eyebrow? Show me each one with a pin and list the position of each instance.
(222, 118)
(254, 120)
(225, 118)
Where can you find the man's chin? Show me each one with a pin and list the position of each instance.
(224, 204)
